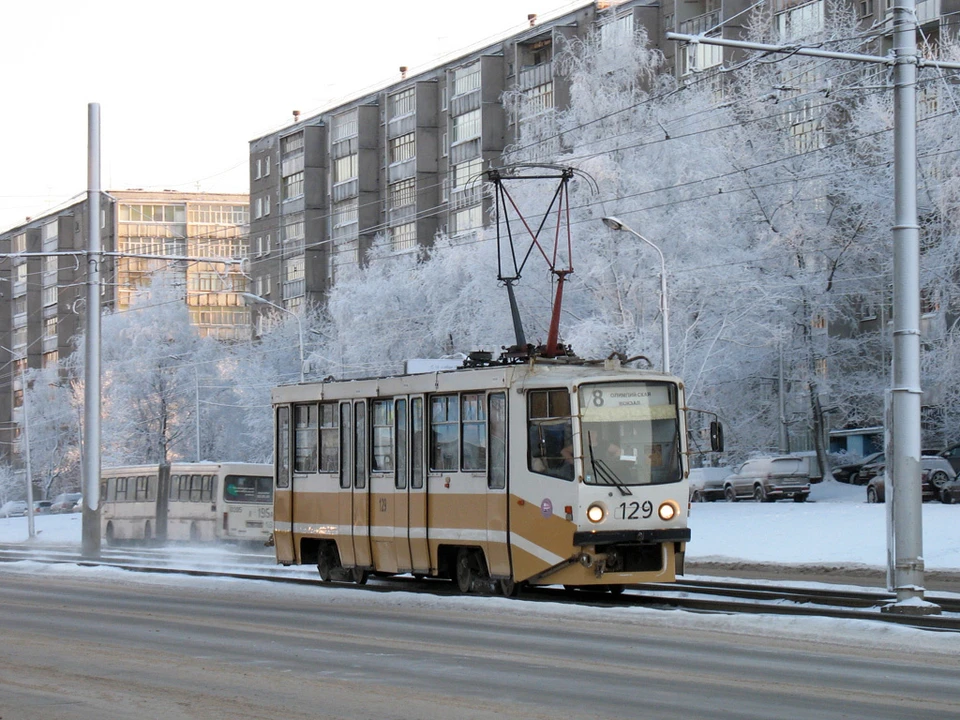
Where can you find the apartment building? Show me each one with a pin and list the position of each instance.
(43, 281)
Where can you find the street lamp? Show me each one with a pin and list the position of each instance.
(616, 224)
(257, 300)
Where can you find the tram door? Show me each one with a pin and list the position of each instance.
(418, 523)
(498, 540)
(283, 493)
(361, 486)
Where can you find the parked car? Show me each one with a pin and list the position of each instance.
(935, 473)
(950, 492)
(706, 484)
(41, 507)
(847, 472)
(768, 479)
(952, 454)
(64, 502)
(13, 508)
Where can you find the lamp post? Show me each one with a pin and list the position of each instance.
(616, 224)
(257, 300)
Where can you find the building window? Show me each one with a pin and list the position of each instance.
(292, 186)
(404, 237)
(466, 79)
(345, 213)
(801, 21)
(291, 144)
(403, 193)
(50, 328)
(466, 172)
(345, 168)
(344, 126)
(403, 103)
(467, 219)
(153, 213)
(403, 148)
(466, 126)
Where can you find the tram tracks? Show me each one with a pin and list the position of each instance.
(708, 596)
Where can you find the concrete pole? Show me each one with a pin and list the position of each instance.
(31, 528)
(90, 547)
(904, 470)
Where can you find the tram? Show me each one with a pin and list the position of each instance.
(195, 502)
(548, 471)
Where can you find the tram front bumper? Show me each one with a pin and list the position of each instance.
(599, 538)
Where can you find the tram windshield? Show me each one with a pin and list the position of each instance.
(630, 434)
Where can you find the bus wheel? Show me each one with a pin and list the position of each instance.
(111, 540)
(359, 576)
(465, 573)
(509, 588)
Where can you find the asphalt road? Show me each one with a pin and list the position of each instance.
(94, 645)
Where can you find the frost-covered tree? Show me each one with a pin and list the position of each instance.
(53, 432)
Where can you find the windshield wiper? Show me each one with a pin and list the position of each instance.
(603, 472)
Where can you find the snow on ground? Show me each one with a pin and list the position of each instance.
(835, 527)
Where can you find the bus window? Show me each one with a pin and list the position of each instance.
(444, 432)
(497, 473)
(247, 489)
(121, 495)
(550, 433)
(474, 432)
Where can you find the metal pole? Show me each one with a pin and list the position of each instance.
(782, 403)
(617, 224)
(905, 494)
(91, 387)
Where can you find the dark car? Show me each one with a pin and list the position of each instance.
(935, 473)
(952, 454)
(847, 472)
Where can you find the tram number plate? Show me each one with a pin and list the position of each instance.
(633, 510)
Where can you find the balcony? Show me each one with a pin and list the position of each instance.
(531, 77)
(700, 24)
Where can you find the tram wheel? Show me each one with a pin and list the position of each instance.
(359, 576)
(465, 573)
(326, 564)
(615, 589)
(509, 588)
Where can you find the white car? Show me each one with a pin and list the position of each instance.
(13, 508)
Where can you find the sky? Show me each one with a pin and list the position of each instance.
(184, 86)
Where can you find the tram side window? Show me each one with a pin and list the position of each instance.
(306, 438)
(360, 444)
(497, 473)
(550, 433)
(382, 436)
(400, 480)
(329, 438)
(444, 432)
(474, 432)
(283, 448)
(416, 443)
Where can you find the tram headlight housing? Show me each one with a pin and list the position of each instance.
(596, 512)
(668, 510)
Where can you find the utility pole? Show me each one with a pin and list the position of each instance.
(903, 469)
(90, 542)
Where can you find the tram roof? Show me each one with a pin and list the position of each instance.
(538, 373)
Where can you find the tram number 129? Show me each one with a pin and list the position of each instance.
(634, 510)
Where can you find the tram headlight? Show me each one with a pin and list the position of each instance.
(668, 510)
(596, 513)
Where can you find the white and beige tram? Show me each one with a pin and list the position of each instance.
(539, 473)
(195, 502)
